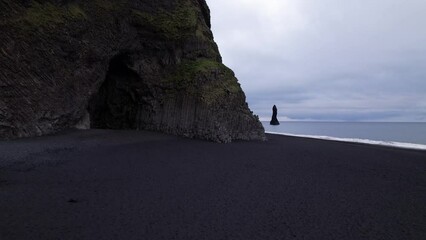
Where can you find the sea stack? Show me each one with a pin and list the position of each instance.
(134, 64)
(274, 120)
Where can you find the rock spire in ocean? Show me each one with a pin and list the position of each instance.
(274, 120)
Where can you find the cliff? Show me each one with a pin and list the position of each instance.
(117, 64)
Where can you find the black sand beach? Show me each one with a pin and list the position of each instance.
(140, 185)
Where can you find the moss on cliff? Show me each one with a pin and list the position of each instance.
(48, 15)
(214, 92)
(187, 76)
(226, 86)
(174, 25)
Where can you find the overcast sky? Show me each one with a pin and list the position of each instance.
(351, 60)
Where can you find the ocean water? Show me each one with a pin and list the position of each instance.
(398, 134)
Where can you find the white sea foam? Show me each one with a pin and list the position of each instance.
(358, 140)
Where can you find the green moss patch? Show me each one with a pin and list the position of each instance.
(186, 76)
(48, 15)
(217, 91)
(176, 24)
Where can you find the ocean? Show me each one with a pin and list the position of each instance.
(397, 134)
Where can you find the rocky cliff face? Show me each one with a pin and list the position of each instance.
(117, 64)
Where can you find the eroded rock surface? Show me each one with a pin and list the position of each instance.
(121, 64)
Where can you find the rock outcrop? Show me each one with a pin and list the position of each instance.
(274, 119)
(117, 64)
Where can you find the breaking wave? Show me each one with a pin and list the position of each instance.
(358, 140)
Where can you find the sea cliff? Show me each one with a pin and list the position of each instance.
(121, 64)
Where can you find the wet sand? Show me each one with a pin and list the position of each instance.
(102, 184)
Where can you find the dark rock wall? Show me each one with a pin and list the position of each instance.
(117, 64)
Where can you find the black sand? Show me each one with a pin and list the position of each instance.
(141, 185)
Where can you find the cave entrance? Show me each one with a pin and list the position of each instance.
(115, 105)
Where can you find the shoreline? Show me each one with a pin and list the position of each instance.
(403, 145)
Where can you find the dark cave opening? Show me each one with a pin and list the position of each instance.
(115, 105)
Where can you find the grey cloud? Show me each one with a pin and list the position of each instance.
(331, 59)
